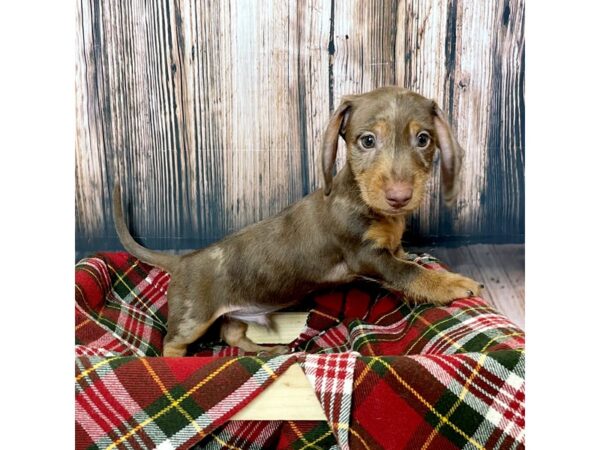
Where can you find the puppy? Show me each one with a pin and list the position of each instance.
(351, 228)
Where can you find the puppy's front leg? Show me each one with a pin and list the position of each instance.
(416, 282)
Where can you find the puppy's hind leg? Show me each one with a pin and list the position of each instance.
(184, 327)
(233, 332)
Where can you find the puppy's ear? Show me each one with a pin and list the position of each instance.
(335, 128)
(451, 155)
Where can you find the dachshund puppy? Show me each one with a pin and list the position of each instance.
(351, 228)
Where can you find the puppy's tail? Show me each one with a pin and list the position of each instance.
(162, 260)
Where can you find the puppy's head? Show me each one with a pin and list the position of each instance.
(392, 135)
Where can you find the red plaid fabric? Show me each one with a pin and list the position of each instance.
(120, 307)
(259, 435)
(131, 402)
(455, 375)
(331, 375)
(388, 374)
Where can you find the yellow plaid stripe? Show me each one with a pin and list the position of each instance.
(302, 437)
(459, 400)
(121, 278)
(504, 336)
(359, 437)
(95, 367)
(223, 443)
(419, 397)
(167, 394)
(316, 441)
(364, 373)
(440, 323)
(85, 322)
(173, 404)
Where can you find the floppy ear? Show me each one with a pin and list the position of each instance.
(451, 155)
(336, 126)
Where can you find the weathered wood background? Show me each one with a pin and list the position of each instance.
(212, 112)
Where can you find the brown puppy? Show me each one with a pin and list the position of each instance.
(351, 228)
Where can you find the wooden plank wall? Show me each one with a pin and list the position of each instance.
(212, 112)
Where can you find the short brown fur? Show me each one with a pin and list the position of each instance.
(352, 228)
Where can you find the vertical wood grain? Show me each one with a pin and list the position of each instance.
(212, 113)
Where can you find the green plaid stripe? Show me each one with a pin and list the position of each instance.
(160, 407)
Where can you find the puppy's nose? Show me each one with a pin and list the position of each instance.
(398, 196)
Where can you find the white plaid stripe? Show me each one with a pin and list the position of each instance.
(149, 295)
(514, 384)
(106, 343)
(155, 289)
(85, 351)
(115, 339)
(129, 335)
(166, 445)
(364, 330)
(500, 403)
(152, 430)
(86, 421)
(226, 405)
(117, 391)
(225, 350)
(135, 329)
(455, 380)
(318, 369)
(446, 341)
(152, 301)
(334, 339)
(305, 336)
(232, 435)
(96, 266)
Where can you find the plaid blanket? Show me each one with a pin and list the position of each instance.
(388, 374)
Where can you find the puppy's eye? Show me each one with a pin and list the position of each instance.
(367, 141)
(423, 139)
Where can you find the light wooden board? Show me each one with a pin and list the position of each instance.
(286, 327)
(212, 113)
(290, 397)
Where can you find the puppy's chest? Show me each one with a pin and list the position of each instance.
(386, 233)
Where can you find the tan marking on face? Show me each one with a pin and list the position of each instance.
(386, 233)
(382, 129)
(372, 182)
(414, 127)
(419, 186)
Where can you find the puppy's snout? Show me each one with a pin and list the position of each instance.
(398, 196)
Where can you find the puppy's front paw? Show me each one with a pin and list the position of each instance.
(453, 286)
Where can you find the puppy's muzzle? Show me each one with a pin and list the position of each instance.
(398, 195)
